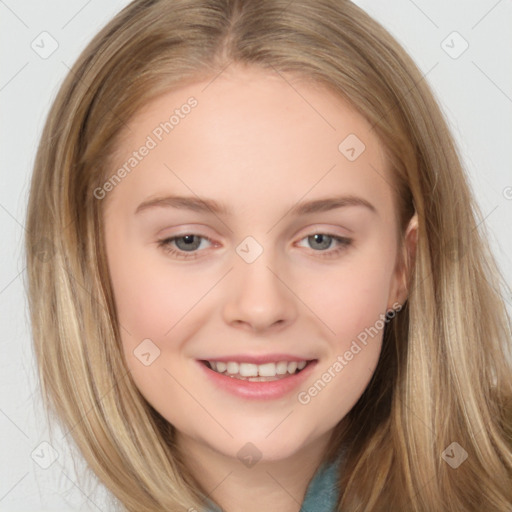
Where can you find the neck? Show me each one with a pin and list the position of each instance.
(266, 485)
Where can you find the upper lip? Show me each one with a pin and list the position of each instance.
(257, 359)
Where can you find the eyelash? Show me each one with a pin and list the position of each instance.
(165, 244)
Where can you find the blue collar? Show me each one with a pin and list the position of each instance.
(322, 492)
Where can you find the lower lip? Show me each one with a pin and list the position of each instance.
(270, 390)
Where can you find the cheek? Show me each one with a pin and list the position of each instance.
(353, 298)
(154, 305)
(352, 304)
(165, 306)
(150, 300)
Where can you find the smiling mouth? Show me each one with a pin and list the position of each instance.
(257, 372)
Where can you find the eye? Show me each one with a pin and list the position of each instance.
(187, 246)
(188, 243)
(322, 241)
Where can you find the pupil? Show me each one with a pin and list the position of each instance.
(187, 242)
(323, 240)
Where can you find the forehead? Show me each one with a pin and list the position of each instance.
(250, 137)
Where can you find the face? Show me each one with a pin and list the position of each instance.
(257, 231)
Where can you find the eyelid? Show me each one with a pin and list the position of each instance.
(343, 243)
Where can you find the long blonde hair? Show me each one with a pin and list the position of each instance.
(444, 375)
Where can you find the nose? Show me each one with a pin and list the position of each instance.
(259, 297)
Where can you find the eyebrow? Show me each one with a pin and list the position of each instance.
(211, 206)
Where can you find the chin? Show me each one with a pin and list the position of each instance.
(255, 444)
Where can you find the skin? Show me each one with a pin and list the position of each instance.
(259, 142)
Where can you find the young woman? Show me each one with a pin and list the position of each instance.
(266, 287)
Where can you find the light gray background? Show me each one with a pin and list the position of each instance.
(474, 90)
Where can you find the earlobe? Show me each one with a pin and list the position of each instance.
(406, 261)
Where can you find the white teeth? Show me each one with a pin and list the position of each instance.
(248, 370)
(267, 370)
(257, 370)
(232, 367)
(282, 368)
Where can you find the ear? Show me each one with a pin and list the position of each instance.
(405, 260)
